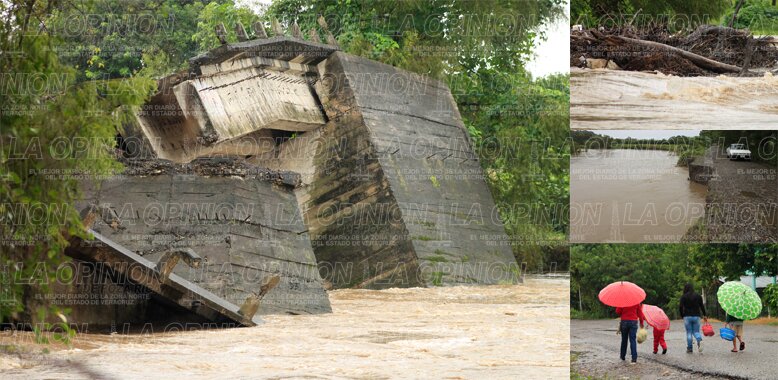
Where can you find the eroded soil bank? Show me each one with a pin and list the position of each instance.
(445, 332)
(741, 204)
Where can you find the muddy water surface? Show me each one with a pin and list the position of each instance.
(631, 196)
(607, 99)
(495, 332)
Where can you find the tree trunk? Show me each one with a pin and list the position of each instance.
(737, 9)
(750, 47)
(703, 62)
(704, 299)
(580, 302)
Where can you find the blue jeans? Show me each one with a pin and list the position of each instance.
(692, 326)
(629, 330)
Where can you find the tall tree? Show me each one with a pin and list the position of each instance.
(54, 129)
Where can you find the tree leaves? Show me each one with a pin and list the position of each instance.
(662, 269)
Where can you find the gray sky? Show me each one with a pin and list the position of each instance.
(647, 134)
(553, 55)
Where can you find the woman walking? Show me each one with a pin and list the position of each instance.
(691, 309)
(629, 329)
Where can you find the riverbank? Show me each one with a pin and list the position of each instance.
(442, 332)
(741, 204)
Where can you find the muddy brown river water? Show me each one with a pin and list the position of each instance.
(494, 332)
(631, 196)
(608, 99)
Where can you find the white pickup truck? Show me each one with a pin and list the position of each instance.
(736, 151)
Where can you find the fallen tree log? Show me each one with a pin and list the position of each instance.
(703, 62)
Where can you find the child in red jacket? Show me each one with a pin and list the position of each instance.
(659, 339)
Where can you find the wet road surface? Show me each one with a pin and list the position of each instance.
(598, 340)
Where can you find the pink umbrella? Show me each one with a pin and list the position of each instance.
(622, 294)
(656, 317)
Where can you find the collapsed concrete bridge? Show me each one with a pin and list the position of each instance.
(324, 169)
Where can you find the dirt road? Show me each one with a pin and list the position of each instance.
(497, 332)
(596, 349)
(741, 203)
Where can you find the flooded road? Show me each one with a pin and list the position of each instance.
(496, 332)
(631, 196)
(607, 99)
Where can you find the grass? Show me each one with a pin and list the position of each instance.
(764, 321)
(577, 376)
(585, 315)
(434, 181)
(574, 375)
(771, 30)
(437, 278)
(436, 259)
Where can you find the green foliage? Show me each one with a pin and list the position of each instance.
(434, 181)
(770, 298)
(661, 270)
(683, 14)
(225, 12)
(522, 140)
(756, 15)
(55, 135)
(762, 143)
(116, 39)
(658, 269)
(471, 35)
(436, 278)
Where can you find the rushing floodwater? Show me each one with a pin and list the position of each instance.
(606, 99)
(462, 332)
(631, 196)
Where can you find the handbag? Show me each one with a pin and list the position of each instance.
(727, 333)
(642, 335)
(707, 330)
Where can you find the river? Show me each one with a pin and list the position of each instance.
(608, 99)
(494, 332)
(631, 196)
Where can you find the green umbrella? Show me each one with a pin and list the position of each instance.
(739, 300)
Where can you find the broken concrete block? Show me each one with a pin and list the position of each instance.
(240, 31)
(385, 189)
(244, 228)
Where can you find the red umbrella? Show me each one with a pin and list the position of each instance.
(622, 294)
(656, 317)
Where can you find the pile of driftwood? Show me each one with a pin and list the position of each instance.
(709, 50)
